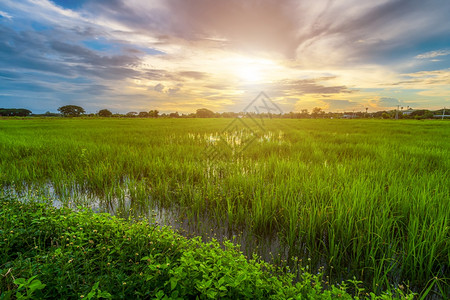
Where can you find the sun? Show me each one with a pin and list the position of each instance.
(252, 70)
(250, 73)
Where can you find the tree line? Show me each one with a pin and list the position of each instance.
(14, 112)
(316, 113)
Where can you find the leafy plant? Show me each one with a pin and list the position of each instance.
(29, 286)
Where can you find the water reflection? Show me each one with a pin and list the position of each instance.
(181, 219)
(237, 138)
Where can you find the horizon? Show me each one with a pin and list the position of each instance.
(178, 56)
(308, 112)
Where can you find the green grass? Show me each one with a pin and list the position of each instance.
(364, 198)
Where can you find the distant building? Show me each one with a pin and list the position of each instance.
(348, 116)
(408, 111)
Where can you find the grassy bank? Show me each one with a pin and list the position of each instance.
(363, 198)
(61, 254)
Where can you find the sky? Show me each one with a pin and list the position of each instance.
(181, 55)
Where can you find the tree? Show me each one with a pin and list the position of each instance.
(14, 112)
(131, 114)
(143, 114)
(422, 114)
(385, 115)
(174, 115)
(316, 111)
(104, 113)
(71, 110)
(153, 113)
(204, 113)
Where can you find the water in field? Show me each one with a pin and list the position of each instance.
(267, 246)
(236, 140)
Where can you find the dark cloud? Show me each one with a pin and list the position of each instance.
(250, 25)
(37, 65)
(420, 79)
(75, 53)
(193, 74)
(158, 75)
(92, 89)
(30, 87)
(35, 51)
(159, 87)
(253, 25)
(312, 86)
(370, 31)
(173, 91)
(390, 31)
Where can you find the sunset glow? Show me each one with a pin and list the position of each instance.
(182, 55)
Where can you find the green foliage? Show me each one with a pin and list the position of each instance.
(96, 293)
(14, 112)
(153, 113)
(104, 113)
(76, 253)
(29, 286)
(71, 110)
(143, 114)
(204, 113)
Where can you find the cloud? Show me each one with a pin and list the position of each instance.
(92, 89)
(5, 15)
(193, 74)
(41, 52)
(250, 25)
(159, 87)
(425, 79)
(433, 54)
(302, 30)
(312, 86)
(388, 102)
(336, 104)
(173, 90)
(157, 74)
(77, 54)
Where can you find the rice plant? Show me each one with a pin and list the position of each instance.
(363, 198)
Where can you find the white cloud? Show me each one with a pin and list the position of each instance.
(433, 54)
(5, 15)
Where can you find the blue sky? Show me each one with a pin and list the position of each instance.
(177, 55)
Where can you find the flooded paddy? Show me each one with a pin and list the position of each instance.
(370, 202)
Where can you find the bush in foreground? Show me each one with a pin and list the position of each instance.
(59, 253)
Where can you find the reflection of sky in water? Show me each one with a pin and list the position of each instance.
(237, 138)
(181, 219)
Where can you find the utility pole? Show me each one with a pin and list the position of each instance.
(396, 112)
(443, 113)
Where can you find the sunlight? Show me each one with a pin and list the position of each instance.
(249, 73)
(252, 70)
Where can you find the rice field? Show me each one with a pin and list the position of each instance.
(364, 199)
